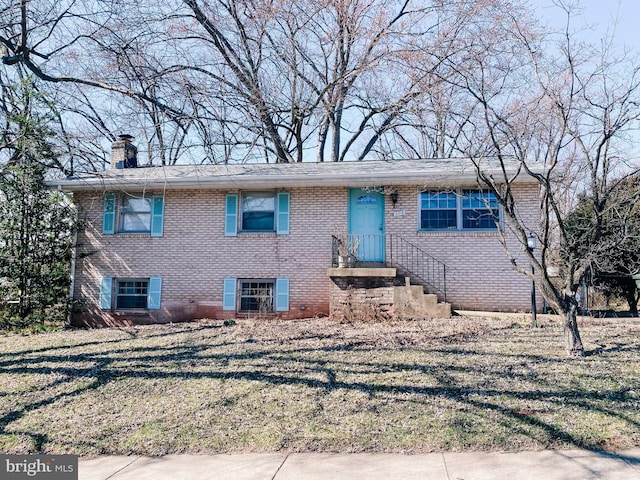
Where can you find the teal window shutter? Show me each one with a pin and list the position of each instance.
(109, 214)
(154, 293)
(105, 293)
(283, 213)
(157, 215)
(231, 216)
(229, 294)
(282, 295)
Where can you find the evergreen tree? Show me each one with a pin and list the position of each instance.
(36, 224)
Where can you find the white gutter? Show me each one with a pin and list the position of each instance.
(435, 178)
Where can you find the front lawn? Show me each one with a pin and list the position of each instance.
(315, 385)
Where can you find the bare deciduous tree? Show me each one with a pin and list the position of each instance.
(564, 115)
(278, 80)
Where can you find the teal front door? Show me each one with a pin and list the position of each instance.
(366, 224)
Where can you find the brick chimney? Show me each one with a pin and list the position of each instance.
(124, 154)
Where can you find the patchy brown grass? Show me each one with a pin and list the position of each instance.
(316, 385)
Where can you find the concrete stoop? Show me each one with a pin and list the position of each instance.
(370, 293)
(410, 301)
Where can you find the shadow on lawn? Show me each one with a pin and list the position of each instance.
(613, 348)
(263, 362)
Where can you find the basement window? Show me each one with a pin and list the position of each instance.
(256, 296)
(132, 294)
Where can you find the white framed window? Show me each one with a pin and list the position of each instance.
(134, 213)
(462, 209)
(257, 295)
(132, 293)
(258, 211)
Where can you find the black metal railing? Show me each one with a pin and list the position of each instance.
(422, 267)
(393, 251)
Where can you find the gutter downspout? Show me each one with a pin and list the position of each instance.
(74, 251)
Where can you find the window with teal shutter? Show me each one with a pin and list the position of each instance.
(106, 285)
(229, 294)
(258, 211)
(157, 215)
(231, 216)
(131, 293)
(109, 214)
(134, 213)
(154, 293)
(283, 213)
(282, 295)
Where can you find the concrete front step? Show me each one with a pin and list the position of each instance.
(411, 302)
(374, 293)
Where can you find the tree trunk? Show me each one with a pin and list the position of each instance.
(631, 294)
(573, 342)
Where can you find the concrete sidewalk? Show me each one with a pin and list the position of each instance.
(544, 465)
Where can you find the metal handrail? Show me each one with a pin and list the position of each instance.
(422, 267)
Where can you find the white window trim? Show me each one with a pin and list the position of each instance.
(120, 213)
(272, 281)
(241, 197)
(116, 292)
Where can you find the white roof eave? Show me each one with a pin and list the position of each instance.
(243, 181)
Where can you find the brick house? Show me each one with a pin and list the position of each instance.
(162, 244)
